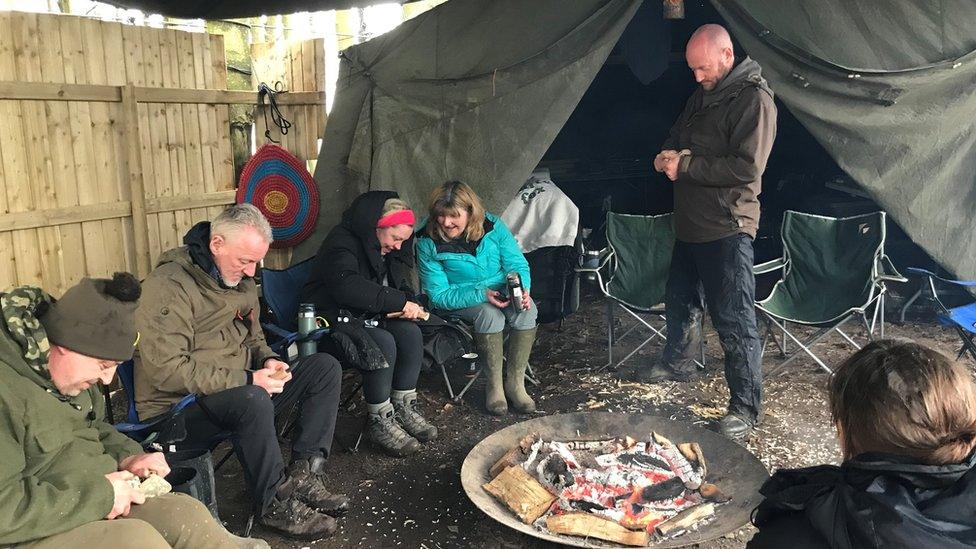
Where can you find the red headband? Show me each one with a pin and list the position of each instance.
(399, 217)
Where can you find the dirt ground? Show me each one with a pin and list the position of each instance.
(418, 502)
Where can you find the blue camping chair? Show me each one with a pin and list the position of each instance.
(281, 289)
(143, 432)
(962, 318)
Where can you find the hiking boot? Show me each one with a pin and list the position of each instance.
(384, 432)
(295, 519)
(405, 407)
(305, 475)
(491, 348)
(658, 373)
(734, 426)
(519, 347)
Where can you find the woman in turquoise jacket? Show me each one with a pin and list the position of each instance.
(464, 255)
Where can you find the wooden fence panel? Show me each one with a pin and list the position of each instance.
(117, 140)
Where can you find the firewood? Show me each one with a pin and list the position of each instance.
(587, 525)
(514, 456)
(693, 453)
(521, 493)
(686, 519)
(711, 492)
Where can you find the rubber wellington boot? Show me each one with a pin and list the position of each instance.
(519, 347)
(492, 350)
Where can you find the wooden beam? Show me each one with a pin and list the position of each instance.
(59, 92)
(44, 91)
(176, 203)
(63, 216)
(140, 227)
(223, 97)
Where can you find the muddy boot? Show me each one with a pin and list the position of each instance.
(405, 406)
(491, 347)
(290, 516)
(519, 346)
(309, 483)
(385, 433)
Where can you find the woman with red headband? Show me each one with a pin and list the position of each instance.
(364, 269)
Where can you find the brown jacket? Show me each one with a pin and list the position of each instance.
(197, 337)
(729, 131)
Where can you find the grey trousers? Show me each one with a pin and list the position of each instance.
(164, 522)
(488, 319)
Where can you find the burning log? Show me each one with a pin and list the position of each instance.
(521, 493)
(587, 525)
(514, 456)
(685, 519)
(679, 464)
(693, 453)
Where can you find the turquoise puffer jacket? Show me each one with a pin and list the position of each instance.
(455, 280)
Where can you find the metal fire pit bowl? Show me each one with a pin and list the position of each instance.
(736, 472)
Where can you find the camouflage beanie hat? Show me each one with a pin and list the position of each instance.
(96, 317)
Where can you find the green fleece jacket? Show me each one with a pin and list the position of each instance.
(54, 452)
(196, 336)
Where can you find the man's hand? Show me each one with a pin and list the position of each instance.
(671, 168)
(142, 464)
(412, 311)
(124, 485)
(495, 298)
(272, 377)
(662, 158)
(526, 300)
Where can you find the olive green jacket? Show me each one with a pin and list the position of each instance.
(54, 452)
(196, 336)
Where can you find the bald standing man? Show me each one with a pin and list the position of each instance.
(715, 156)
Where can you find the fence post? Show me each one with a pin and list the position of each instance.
(140, 230)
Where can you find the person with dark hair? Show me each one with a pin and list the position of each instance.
(201, 335)
(906, 418)
(68, 479)
(365, 267)
(464, 257)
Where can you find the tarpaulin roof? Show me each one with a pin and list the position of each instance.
(224, 9)
(471, 90)
(889, 89)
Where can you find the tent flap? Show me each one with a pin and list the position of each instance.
(470, 90)
(901, 122)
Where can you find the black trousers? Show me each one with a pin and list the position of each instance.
(721, 271)
(403, 346)
(248, 414)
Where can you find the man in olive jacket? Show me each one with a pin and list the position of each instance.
(201, 335)
(65, 474)
(715, 155)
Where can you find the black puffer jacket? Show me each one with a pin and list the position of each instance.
(872, 501)
(349, 269)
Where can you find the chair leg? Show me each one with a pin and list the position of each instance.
(447, 382)
(349, 398)
(223, 460)
(803, 346)
(701, 340)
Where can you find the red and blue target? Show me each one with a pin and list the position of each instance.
(277, 183)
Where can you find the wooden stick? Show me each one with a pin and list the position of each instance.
(686, 518)
(587, 525)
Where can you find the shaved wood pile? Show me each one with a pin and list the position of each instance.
(623, 491)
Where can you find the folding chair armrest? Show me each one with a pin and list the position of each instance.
(933, 276)
(289, 337)
(769, 266)
(128, 427)
(889, 272)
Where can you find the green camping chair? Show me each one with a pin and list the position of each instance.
(633, 272)
(834, 269)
